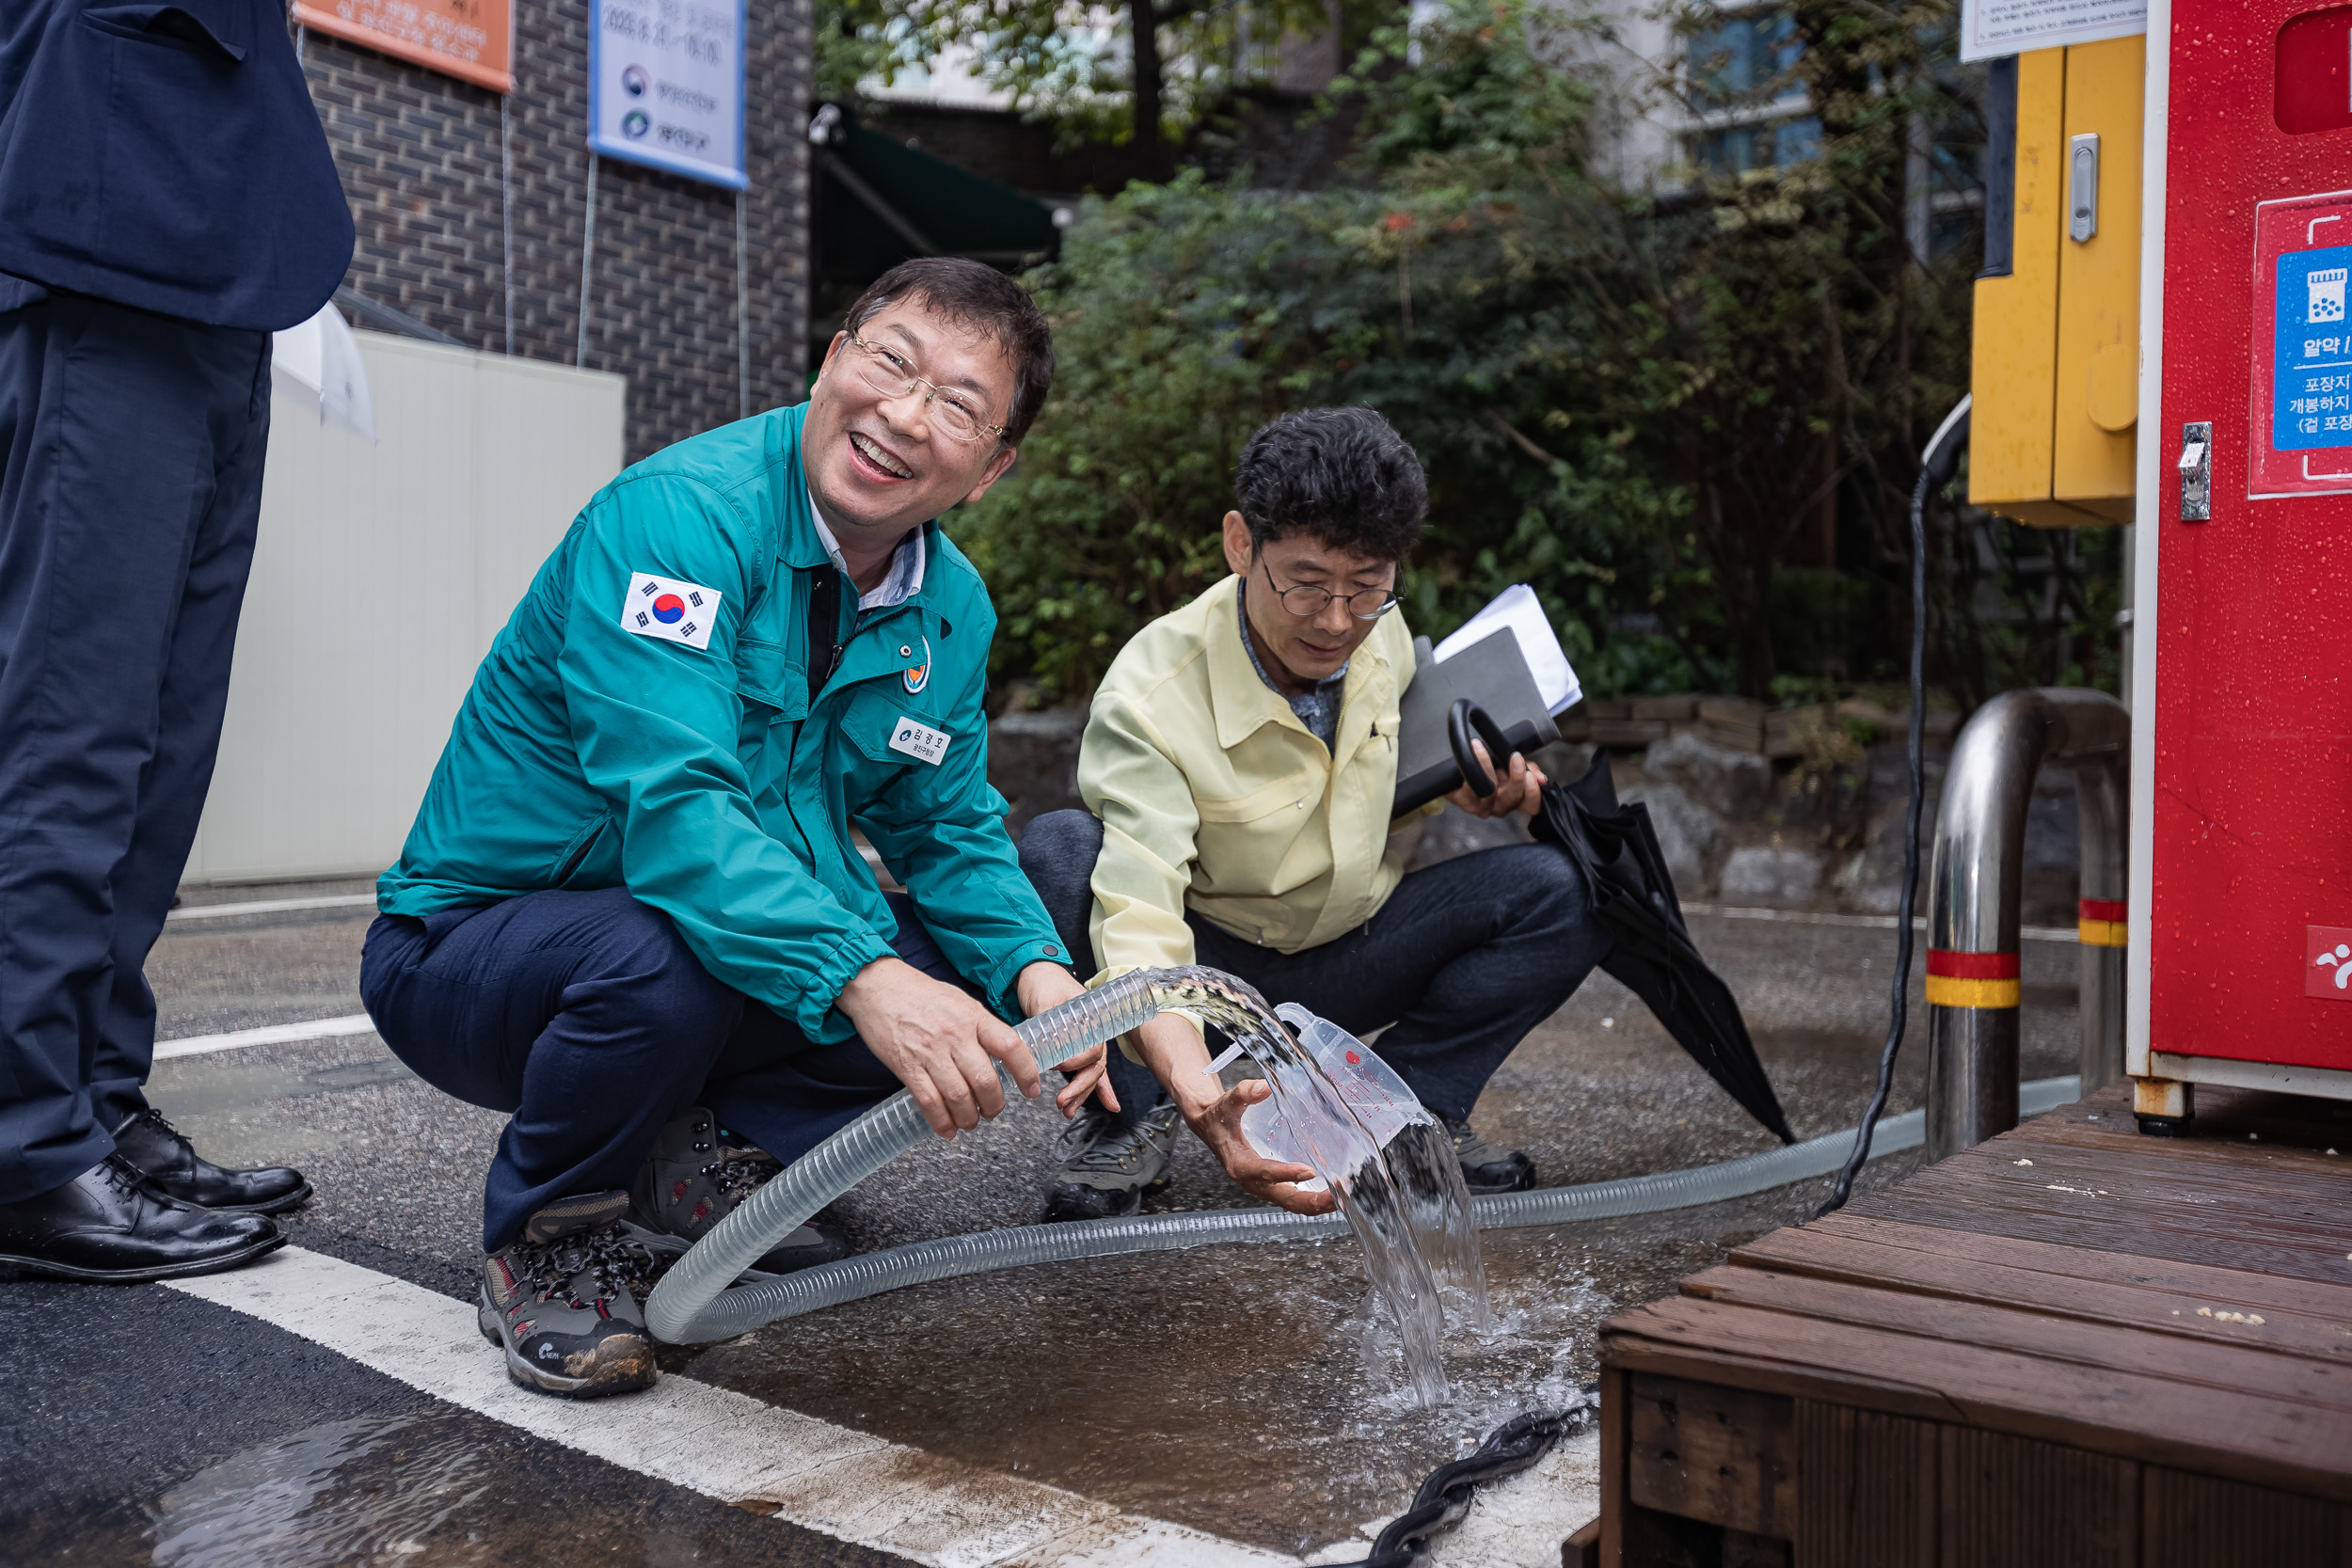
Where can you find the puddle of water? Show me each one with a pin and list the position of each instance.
(433, 1488)
(295, 1500)
(370, 1489)
(1257, 1392)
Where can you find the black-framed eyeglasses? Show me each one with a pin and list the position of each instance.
(893, 376)
(1306, 601)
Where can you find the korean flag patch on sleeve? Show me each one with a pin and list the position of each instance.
(671, 611)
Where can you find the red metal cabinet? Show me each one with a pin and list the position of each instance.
(2245, 804)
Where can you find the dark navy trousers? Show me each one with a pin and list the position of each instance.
(131, 449)
(1465, 957)
(585, 1016)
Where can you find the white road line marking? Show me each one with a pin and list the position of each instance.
(271, 906)
(2066, 934)
(269, 1034)
(845, 1484)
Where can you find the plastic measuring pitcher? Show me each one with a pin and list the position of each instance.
(1306, 1129)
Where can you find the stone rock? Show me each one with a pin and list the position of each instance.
(1890, 773)
(1688, 832)
(1033, 761)
(1872, 880)
(1454, 831)
(1777, 879)
(1730, 783)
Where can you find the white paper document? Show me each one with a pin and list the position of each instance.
(1989, 29)
(1518, 609)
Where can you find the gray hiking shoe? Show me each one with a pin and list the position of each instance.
(561, 1299)
(697, 1177)
(1485, 1168)
(1106, 1168)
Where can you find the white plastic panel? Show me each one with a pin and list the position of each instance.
(381, 576)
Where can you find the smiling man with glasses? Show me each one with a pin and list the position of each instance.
(1237, 769)
(631, 914)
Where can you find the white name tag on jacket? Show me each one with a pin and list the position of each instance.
(919, 741)
(671, 611)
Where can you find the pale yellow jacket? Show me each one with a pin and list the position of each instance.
(1214, 796)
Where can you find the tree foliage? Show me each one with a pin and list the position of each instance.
(1143, 70)
(1643, 408)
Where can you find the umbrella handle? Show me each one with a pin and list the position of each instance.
(1460, 719)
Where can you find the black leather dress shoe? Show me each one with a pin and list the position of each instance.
(163, 1155)
(110, 1225)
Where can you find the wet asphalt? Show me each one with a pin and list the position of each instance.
(1246, 1391)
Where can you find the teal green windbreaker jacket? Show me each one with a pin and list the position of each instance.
(618, 735)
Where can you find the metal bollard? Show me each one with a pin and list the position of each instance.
(1972, 887)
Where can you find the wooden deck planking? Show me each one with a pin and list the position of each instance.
(2154, 1419)
(2036, 1301)
(2138, 1294)
(2186, 1243)
(2254, 1366)
(1783, 1248)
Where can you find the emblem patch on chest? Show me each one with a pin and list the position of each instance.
(669, 609)
(919, 675)
(919, 741)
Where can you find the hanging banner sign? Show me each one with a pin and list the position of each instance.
(2302, 425)
(665, 86)
(469, 39)
(1992, 28)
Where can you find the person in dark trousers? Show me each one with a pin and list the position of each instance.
(632, 912)
(1238, 768)
(167, 202)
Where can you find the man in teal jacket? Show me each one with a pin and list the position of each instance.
(630, 912)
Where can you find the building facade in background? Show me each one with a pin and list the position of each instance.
(473, 215)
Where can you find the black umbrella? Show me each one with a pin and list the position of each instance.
(1616, 849)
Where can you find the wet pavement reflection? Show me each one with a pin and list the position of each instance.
(425, 1489)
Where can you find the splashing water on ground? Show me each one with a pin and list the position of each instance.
(1403, 1198)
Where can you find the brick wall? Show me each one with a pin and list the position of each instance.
(419, 158)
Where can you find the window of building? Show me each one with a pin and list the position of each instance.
(1748, 109)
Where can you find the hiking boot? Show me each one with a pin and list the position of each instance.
(697, 1176)
(163, 1154)
(1106, 1168)
(562, 1300)
(1485, 1168)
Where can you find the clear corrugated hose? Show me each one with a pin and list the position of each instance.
(692, 1305)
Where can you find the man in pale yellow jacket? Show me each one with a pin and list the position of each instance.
(1238, 769)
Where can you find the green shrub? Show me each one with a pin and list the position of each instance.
(1634, 409)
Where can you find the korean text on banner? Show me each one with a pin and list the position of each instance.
(1991, 28)
(469, 39)
(665, 86)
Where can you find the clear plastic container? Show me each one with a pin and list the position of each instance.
(1301, 1128)
(1364, 1102)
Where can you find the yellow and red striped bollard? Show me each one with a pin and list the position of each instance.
(1972, 979)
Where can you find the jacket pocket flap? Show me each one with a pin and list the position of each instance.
(765, 673)
(1282, 794)
(875, 716)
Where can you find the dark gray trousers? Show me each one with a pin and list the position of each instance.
(131, 449)
(1465, 957)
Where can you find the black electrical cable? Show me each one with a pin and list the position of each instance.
(1936, 466)
(1519, 1444)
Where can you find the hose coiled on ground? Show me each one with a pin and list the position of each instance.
(693, 1303)
(980, 1252)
